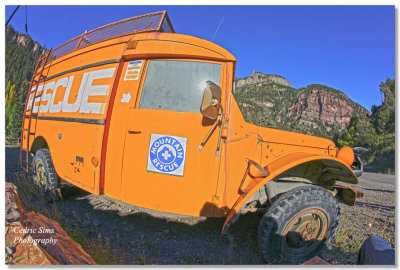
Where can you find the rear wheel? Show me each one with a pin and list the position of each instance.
(45, 175)
(298, 225)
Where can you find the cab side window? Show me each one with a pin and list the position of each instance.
(177, 85)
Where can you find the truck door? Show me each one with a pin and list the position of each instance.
(162, 166)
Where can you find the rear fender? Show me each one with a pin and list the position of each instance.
(38, 143)
(323, 170)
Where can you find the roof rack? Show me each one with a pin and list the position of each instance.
(152, 22)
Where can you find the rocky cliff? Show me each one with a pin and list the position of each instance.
(270, 100)
(22, 39)
(260, 78)
(324, 104)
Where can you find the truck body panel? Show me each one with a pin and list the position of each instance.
(71, 113)
(127, 156)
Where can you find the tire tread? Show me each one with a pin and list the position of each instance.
(282, 210)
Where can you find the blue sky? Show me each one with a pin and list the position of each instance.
(350, 48)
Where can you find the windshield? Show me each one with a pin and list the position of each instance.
(177, 85)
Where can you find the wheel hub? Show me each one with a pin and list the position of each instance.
(305, 231)
(41, 177)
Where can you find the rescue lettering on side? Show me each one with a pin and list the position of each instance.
(45, 101)
(167, 154)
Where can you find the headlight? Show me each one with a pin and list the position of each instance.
(346, 154)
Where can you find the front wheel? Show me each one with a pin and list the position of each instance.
(298, 225)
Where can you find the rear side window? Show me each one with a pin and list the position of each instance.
(177, 85)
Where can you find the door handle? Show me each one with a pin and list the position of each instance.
(134, 131)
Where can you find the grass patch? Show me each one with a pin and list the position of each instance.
(34, 199)
(195, 259)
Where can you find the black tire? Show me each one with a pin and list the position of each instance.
(310, 209)
(43, 167)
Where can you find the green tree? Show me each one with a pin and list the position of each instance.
(10, 101)
(383, 116)
(21, 58)
(376, 133)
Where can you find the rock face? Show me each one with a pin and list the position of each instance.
(65, 250)
(271, 101)
(13, 205)
(324, 105)
(258, 77)
(24, 40)
(27, 252)
(21, 249)
(34, 239)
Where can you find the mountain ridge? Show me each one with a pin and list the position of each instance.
(308, 109)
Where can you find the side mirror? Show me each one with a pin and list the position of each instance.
(211, 100)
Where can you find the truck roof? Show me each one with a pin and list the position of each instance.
(152, 26)
(152, 22)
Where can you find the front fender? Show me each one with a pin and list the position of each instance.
(330, 165)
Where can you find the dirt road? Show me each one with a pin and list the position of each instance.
(377, 179)
(116, 233)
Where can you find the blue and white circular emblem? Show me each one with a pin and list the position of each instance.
(166, 154)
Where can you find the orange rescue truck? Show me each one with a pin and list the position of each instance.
(139, 113)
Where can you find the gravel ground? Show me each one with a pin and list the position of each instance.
(117, 233)
(373, 214)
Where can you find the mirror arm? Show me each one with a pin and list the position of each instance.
(211, 131)
(220, 132)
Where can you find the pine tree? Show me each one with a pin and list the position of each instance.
(383, 116)
(20, 63)
(10, 101)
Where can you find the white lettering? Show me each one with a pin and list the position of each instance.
(45, 230)
(38, 92)
(46, 97)
(66, 107)
(156, 162)
(55, 108)
(44, 100)
(30, 101)
(95, 90)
